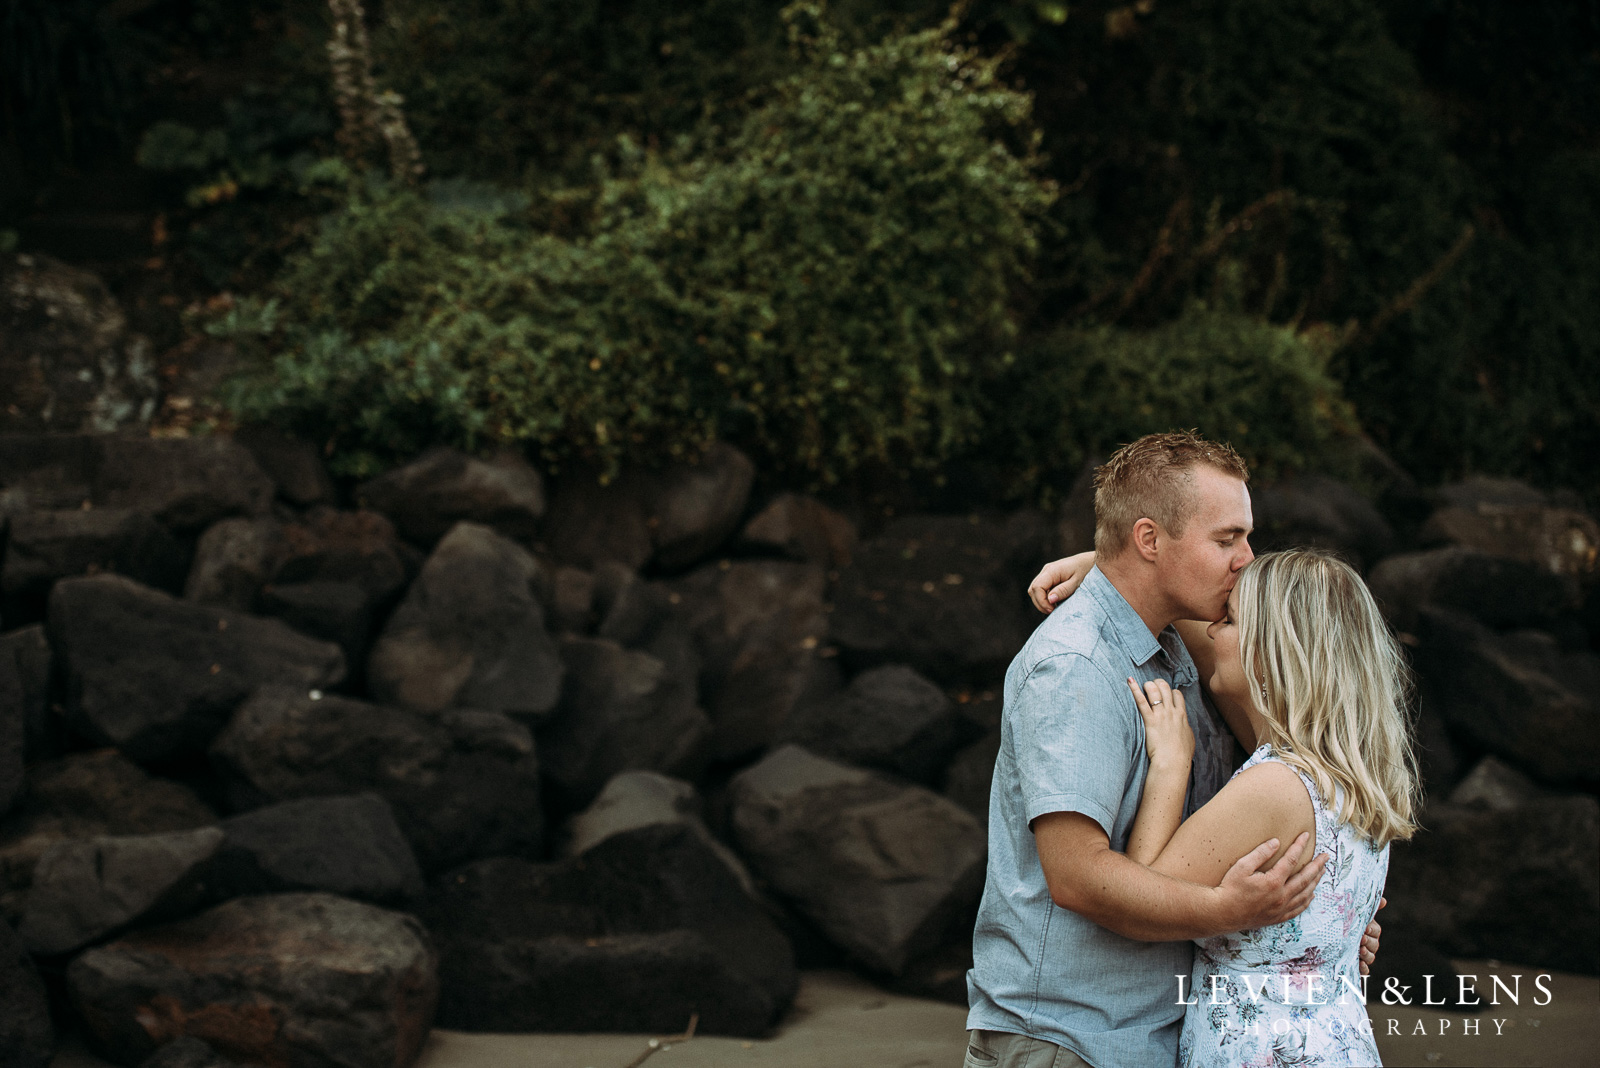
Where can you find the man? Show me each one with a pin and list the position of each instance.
(1077, 948)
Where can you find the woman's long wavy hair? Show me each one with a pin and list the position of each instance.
(1332, 685)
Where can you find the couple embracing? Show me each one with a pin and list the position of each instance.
(1142, 906)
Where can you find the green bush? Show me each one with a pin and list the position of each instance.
(825, 280)
(1079, 392)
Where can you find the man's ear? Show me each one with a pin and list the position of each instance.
(1145, 535)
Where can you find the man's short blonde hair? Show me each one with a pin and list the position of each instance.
(1153, 478)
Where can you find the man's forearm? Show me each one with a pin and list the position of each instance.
(1135, 902)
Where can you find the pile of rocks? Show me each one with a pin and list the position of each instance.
(298, 777)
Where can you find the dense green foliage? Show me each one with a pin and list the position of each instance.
(825, 281)
(1391, 203)
(1262, 388)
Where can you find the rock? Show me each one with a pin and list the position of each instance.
(802, 528)
(13, 731)
(650, 916)
(890, 718)
(677, 515)
(1502, 518)
(634, 799)
(350, 846)
(758, 627)
(1520, 696)
(187, 1052)
(590, 524)
(695, 507)
(80, 796)
(1518, 884)
(45, 472)
(186, 484)
(157, 677)
(1075, 516)
(67, 359)
(231, 563)
(294, 466)
(882, 868)
(46, 546)
(463, 784)
(1438, 757)
(572, 600)
(443, 487)
(337, 612)
(1482, 490)
(621, 710)
(26, 670)
(1319, 512)
(970, 776)
(1501, 592)
(334, 575)
(944, 594)
(27, 1036)
(631, 609)
(1494, 784)
(86, 889)
(470, 632)
(286, 979)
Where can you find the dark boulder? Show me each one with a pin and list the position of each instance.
(884, 869)
(187, 1052)
(157, 677)
(27, 672)
(1494, 784)
(68, 362)
(634, 799)
(27, 1036)
(695, 506)
(1075, 516)
(675, 516)
(46, 546)
(463, 784)
(185, 484)
(470, 632)
(572, 600)
(443, 487)
(1519, 695)
(968, 779)
(47, 472)
(13, 730)
(1500, 517)
(802, 528)
(294, 465)
(621, 710)
(1518, 884)
(231, 563)
(349, 845)
(889, 717)
(86, 889)
(1322, 513)
(82, 796)
(944, 594)
(757, 629)
(651, 917)
(289, 979)
(1501, 592)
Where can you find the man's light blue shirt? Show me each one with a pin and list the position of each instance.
(1072, 740)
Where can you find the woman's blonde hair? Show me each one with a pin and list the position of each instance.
(1332, 685)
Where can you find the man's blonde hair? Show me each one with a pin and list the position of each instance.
(1153, 478)
(1330, 682)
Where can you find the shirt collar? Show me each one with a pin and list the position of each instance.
(1135, 637)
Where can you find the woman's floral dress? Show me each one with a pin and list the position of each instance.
(1289, 994)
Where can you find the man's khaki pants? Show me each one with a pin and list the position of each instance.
(1001, 1049)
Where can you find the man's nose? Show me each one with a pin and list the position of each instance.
(1246, 554)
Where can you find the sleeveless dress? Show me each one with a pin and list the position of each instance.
(1252, 988)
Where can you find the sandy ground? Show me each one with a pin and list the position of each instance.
(841, 1021)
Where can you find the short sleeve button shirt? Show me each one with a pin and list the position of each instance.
(1073, 741)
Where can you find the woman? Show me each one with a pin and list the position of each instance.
(1306, 671)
